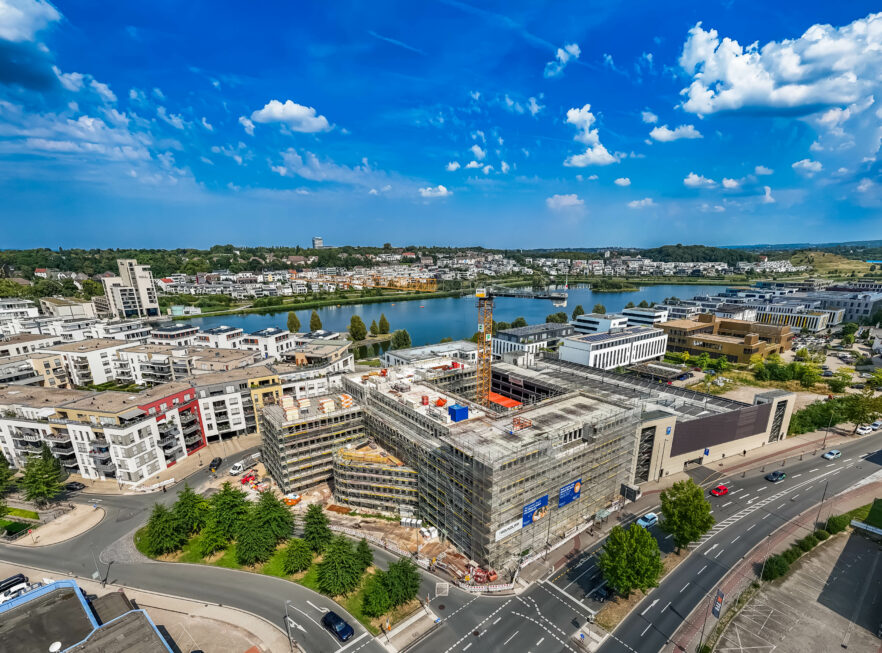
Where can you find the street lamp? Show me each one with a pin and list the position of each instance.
(288, 627)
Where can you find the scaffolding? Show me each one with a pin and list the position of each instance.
(485, 344)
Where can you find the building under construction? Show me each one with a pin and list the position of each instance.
(367, 476)
(550, 449)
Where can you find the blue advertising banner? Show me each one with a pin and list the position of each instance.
(569, 492)
(535, 510)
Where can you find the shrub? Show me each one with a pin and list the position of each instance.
(821, 534)
(791, 554)
(837, 524)
(807, 543)
(776, 566)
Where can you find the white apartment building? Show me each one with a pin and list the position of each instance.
(89, 362)
(132, 293)
(17, 308)
(25, 343)
(221, 337)
(648, 316)
(176, 334)
(530, 339)
(69, 309)
(597, 323)
(684, 311)
(614, 349)
(131, 331)
(271, 342)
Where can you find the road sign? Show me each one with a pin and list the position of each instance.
(707, 452)
(718, 604)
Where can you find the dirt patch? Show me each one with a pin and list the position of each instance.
(614, 611)
(341, 510)
(397, 615)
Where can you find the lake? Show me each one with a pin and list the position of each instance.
(456, 317)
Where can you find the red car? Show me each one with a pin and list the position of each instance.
(720, 490)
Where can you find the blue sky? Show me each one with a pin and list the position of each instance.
(503, 124)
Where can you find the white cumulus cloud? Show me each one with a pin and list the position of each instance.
(435, 191)
(296, 116)
(767, 195)
(763, 170)
(693, 180)
(452, 165)
(649, 117)
(865, 185)
(564, 202)
(622, 181)
(20, 20)
(478, 153)
(247, 125)
(641, 204)
(664, 134)
(596, 153)
(730, 184)
(473, 164)
(808, 167)
(504, 167)
(562, 58)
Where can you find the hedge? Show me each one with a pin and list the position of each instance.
(821, 534)
(775, 567)
(807, 543)
(837, 524)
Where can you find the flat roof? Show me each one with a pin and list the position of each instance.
(174, 327)
(601, 316)
(87, 346)
(64, 301)
(25, 337)
(268, 331)
(55, 613)
(530, 329)
(222, 329)
(615, 334)
(132, 632)
(232, 376)
(38, 396)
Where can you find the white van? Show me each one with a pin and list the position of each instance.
(237, 469)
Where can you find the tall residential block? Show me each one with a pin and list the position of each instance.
(132, 293)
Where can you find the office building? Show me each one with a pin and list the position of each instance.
(645, 316)
(530, 339)
(616, 348)
(318, 242)
(132, 293)
(735, 340)
(599, 323)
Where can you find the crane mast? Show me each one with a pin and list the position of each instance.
(485, 344)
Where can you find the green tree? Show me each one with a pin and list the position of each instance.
(315, 322)
(254, 544)
(297, 556)
(339, 571)
(40, 481)
(810, 375)
(630, 560)
(357, 330)
(402, 581)
(230, 510)
(643, 304)
(315, 528)
(364, 554)
(556, 318)
(401, 339)
(163, 534)
(384, 324)
(191, 510)
(687, 513)
(6, 475)
(600, 309)
(862, 408)
(375, 330)
(376, 600)
(293, 322)
(274, 517)
(578, 311)
(53, 464)
(629, 305)
(518, 322)
(212, 538)
(703, 360)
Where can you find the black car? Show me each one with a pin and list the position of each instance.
(334, 622)
(776, 476)
(215, 463)
(74, 486)
(12, 581)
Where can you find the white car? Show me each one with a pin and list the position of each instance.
(864, 430)
(237, 469)
(833, 454)
(876, 425)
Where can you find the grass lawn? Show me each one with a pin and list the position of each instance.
(20, 512)
(273, 566)
(860, 513)
(13, 527)
(190, 552)
(874, 516)
(228, 559)
(139, 541)
(310, 579)
(826, 262)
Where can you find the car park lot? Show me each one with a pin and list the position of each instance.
(831, 600)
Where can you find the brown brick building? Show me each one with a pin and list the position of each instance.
(736, 340)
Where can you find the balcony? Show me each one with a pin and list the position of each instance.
(30, 435)
(173, 454)
(71, 464)
(193, 438)
(168, 440)
(62, 437)
(99, 441)
(108, 467)
(187, 417)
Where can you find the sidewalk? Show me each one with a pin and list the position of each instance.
(747, 571)
(194, 625)
(226, 449)
(773, 453)
(69, 525)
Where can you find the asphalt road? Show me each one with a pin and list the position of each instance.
(109, 548)
(543, 618)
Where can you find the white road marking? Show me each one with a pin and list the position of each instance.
(712, 547)
(510, 638)
(767, 515)
(813, 470)
(751, 526)
(498, 619)
(830, 465)
(322, 610)
(781, 506)
(649, 607)
(666, 607)
(762, 489)
(467, 646)
(736, 491)
(736, 539)
(718, 553)
(701, 570)
(797, 475)
(540, 641)
(726, 504)
(684, 587)
(669, 536)
(362, 636)
(648, 626)
(794, 497)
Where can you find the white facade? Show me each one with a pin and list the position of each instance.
(270, 342)
(26, 343)
(221, 337)
(615, 349)
(638, 316)
(222, 413)
(69, 309)
(597, 323)
(90, 362)
(17, 308)
(132, 293)
(132, 331)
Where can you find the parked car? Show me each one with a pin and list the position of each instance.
(237, 468)
(12, 581)
(17, 590)
(876, 425)
(602, 593)
(776, 477)
(74, 486)
(720, 491)
(864, 430)
(335, 623)
(215, 463)
(648, 520)
(833, 454)
(827, 373)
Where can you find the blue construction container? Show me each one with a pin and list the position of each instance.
(458, 413)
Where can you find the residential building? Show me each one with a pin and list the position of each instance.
(301, 437)
(531, 338)
(368, 477)
(735, 340)
(221, 337)
(599, 323)
(741, 312)
(451, 352)
(69, 309)
(229, 401)
(271, 342)
(132, 331)
(13, 307)
(177, 334)
(318, 242)
(681, 311)
(334, 355)
(615, 348)
(35, 368)
(154, 364)
(89, 362)
(25, 343)
(645, 316)
(132, 293)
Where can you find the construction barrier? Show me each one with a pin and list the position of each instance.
(508, 587)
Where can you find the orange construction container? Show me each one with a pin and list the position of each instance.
(440, 401)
